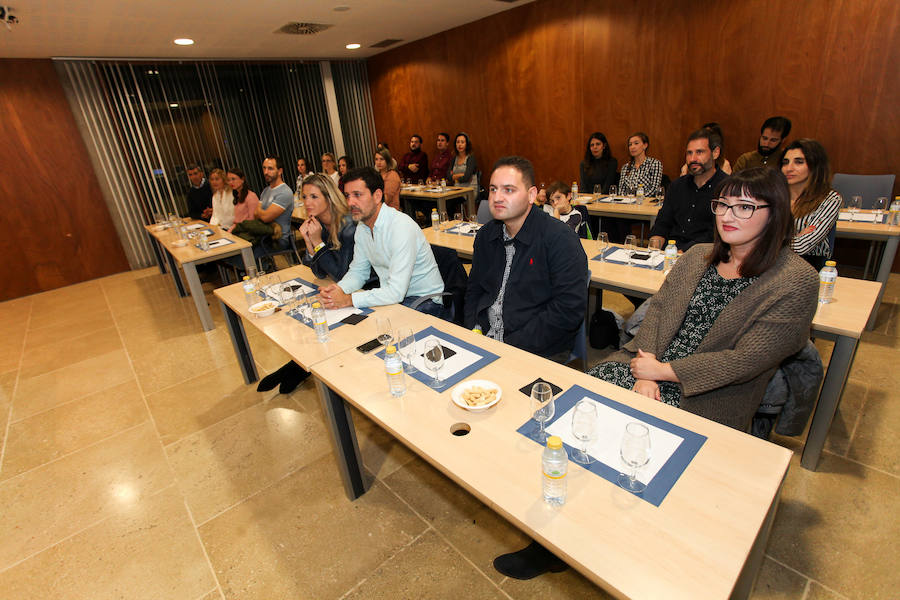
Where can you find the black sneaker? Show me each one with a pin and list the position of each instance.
(531, 561)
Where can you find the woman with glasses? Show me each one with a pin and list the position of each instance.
(329, 166)
(814, 205)
(728, 313)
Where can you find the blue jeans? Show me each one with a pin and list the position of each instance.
(429, 307)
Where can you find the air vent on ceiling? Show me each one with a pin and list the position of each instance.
(294, 28)
(385, 43)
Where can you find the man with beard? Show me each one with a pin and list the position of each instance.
(414, 164)
(685, 216)
(390, 242)
(441, 163)
(275, 202)
(771, 135)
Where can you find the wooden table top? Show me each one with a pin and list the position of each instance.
(693, 545)
(646, 211)
(449, 192)
(189, 253)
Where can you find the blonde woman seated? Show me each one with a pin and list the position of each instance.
(728, 313)
(222, 200)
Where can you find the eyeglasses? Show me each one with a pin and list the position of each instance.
(741, 211)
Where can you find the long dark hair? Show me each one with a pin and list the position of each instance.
(590, 163)
(770, 186)
(468, 143)
(239, 197)
(819, 183)
(644, 138)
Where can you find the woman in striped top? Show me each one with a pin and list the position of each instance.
(814, 204)
(641, 169)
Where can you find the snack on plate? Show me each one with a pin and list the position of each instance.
(262, 306)
(479, 396)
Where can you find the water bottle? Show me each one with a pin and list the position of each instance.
(320, 323)
(250, 292)
(671, 256)
(204, 241)
(555, 465)
(827, 277)
(393, 366)
(435, 220)
(640, 193)
(894, 217)
(574, 192)
(443, 185)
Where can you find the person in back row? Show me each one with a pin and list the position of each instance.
(528, 285)
(721, 162)
(441, 163)
(771, 135)
(641, 169)
(598, 167)
(276, 202)
(414, 164)
(199, 197)
(684, 216)
(389, 176)
(390, 242)
(560, 196)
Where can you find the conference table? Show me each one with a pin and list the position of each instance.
(706, 538)
(416, 192)
(841, 321)
(168, 249)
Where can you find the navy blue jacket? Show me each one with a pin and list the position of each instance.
(546, 294)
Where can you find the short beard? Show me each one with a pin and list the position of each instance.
(766, 151)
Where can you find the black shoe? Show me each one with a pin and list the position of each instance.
(272, 379)
(529, 562)
(292, 377)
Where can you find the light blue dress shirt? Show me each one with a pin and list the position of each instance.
(401, 256)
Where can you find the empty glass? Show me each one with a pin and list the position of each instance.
(661, 194)
(655, 246)
(406, 346)
(635, 453)
(612, 191)
(853, 205)
(542, 408)
(304, 308)
(603, 242)
(630, 247)
(458, 217)
(383, 330)
(598, 191)
(584, 428)
(434, 360)
(880, 205)
(443, 220)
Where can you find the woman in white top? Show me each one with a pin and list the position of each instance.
(329, 167)
(222, 200)
(814, 205)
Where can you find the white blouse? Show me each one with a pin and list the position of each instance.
(223, 209)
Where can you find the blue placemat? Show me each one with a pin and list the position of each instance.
(218, 243)
(605, 255)
(658, 487)
(455, 229)
(264, 296)
(299, 319)
(485, 359)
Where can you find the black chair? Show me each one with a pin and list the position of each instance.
(583, 230)
(664, 181)
(269, 252)
(455, 280)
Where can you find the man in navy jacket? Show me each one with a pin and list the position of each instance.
(528, 285)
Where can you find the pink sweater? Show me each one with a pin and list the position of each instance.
(245, 209)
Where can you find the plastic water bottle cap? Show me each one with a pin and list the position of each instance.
(672, 242)
(246, 277)
(391, 349)
(830, 263)
(554, 442)
(316, 305)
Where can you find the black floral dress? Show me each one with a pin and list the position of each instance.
(712, 295)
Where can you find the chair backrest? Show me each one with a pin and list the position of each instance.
(869, 187)
(455, 279)
(579, 350)
(484, 212)
(831, 239)
(583, 230)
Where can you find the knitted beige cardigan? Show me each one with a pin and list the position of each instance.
(725, 378)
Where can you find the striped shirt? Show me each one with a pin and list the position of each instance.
(649, 174)
(823, 218)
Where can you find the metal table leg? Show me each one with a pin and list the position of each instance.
(247, 257)
(159, 259)
(343, 440)
(240, 344)
(747, 580)
(884, 271)
(829, 398)
(173, 269)
(190, 273)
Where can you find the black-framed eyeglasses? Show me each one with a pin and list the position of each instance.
(741, 210)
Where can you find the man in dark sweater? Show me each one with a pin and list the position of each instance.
(199, 197)
(686, 216)
(414, 164)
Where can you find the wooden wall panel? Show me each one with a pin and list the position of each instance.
(537, 79)
(56, 229)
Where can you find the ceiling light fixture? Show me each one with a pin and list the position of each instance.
(352, 46)
(184, 42)
(173, 105)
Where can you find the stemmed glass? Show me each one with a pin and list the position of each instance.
(542, 408)
(383, 330)
(635, 453)
(303, 307)
(434, 359)
(443, 220)
(630, 247)
(584, 428)
(458, 217)
(406, 346)
(661, 194)
(655, 246)
(612, 191)
(598, 191)
(880, 205)
(603, 240)
(853, 205)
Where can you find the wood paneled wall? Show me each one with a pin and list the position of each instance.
(56, 229)
(536, 80)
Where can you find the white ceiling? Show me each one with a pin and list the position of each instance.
(242, 29)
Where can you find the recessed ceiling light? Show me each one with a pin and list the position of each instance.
(173, 105)
(184, 41)
(341, 8)
(352, 46)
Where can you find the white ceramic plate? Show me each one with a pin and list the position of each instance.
(459, 390)
(264, 308)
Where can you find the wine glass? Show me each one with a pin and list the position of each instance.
(406, 346)
(635, 453)
(880, 205)
(655, 246)
(303, 308)
(661, 194)
(383, 330)
(853, 205)
(443, 220)
(598, 191)
(434, 359)
(612, 191)
(630, 247)
(584, 428)
(603, 242)
(542, 408)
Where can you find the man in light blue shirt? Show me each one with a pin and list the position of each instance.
(390, 242)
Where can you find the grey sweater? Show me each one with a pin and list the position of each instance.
(724, 380)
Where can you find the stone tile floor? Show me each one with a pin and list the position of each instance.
(136, 464)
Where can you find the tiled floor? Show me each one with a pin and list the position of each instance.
(136, 464)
